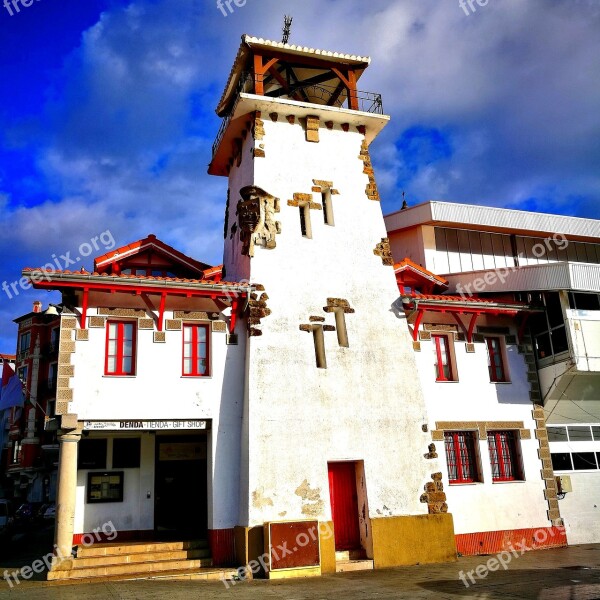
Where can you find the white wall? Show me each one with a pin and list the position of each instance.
(366, 405)
(486, 506)
(584, 326)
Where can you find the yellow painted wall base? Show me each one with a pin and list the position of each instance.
(327, 547)
(249, 546)
(411, 540)
(290, 573)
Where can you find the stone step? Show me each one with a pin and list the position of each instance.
(138, 548)
(359, 554)
(140, 557)
(345, 566)
(131, 569)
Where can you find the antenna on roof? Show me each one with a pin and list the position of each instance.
(287, 28)
(404, 202)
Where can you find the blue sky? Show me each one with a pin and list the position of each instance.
(107, 113)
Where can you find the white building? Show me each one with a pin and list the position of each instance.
(550, 262)
(261, 414)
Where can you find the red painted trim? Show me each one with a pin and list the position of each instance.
(495, 354)
(161, 312)
(472, 327)
(139, 535)
(439, 341)
(120, 346)
(195, 345)
(493, 542)
(234, 310)
(222, 547)
(418, 320)
(505, 455)
(84, 307)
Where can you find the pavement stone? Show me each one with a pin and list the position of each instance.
(571, 573)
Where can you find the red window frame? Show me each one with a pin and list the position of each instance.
(120, 354)
(441, 345)
(505, 456)
(461, 456)
(195, 350)
(496, 365)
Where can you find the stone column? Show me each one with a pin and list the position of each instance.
(65, 499)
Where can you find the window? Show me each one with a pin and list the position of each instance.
(327, 207)
(579, 434)
(305, 227)
(120, 348)
(443, 358)
(548, 328)
(561, 461)
(24, 342)
(584, 461)
(23, 375)
(52, 375)
(504, 456)
(92, 454)
(54, 337)
(126, 453)
(16, 453)
(195, 350)
(461, 456)
(496, 359)
(105, 487)
(557, 434)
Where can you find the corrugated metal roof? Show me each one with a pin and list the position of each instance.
(472, 216)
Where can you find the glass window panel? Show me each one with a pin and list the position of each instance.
(476, 253)
(580, 251)
(187, 366)
(584, 460)
(557, 434)
(580, 433)
(466, 263)
(187, 334)
(559, 340)
(453, 251)
(596, 432)
(202, 334)
(521, 253)
(553, 307)
(572, 252)
(441, 254)
(532, 259)
(128, 331)
(112, 330)
(112, 364)
(586, 301)
(187, 350)
(488, 252)
(126, 365)
(498, 246)
(112, 347)
(561, 461)
(128, 348)
(561, 252)
(542, 345)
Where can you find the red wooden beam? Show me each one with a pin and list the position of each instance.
(472, 327)
(84, 307)
(161, 312)
(234, 314)
(415, 332)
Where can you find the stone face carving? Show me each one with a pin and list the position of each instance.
(256, 219)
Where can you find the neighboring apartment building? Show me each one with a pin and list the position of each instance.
(31, 460)
(550, 262)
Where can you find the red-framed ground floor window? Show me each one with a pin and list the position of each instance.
(505, 455)
(461, 456)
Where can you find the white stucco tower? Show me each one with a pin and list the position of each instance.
(334, 419)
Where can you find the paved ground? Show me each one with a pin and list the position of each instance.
(565, 574)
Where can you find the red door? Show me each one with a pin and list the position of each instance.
(344, 505)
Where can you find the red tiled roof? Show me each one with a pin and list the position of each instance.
(10, 357)
(105, 276)
(448, 298)
(135, 247)
(406, 263)
(214, 273)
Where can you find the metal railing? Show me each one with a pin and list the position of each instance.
(369, 102)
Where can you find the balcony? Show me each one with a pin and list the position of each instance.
(320, 94)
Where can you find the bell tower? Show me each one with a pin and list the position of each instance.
(334, 416)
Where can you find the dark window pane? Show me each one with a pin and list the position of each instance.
(586, 301)
(557, 434)
(555, 315)
(126, 453)
(580, 434)
(584, 460)
(561, 461)
(542, 345)
(91, 454)
(559, 340)
(596, 431)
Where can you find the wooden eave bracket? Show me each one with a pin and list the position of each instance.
(467, 331)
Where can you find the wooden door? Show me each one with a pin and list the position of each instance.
(344, 505)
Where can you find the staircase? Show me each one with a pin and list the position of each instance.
(142, 560)
(352, 560)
